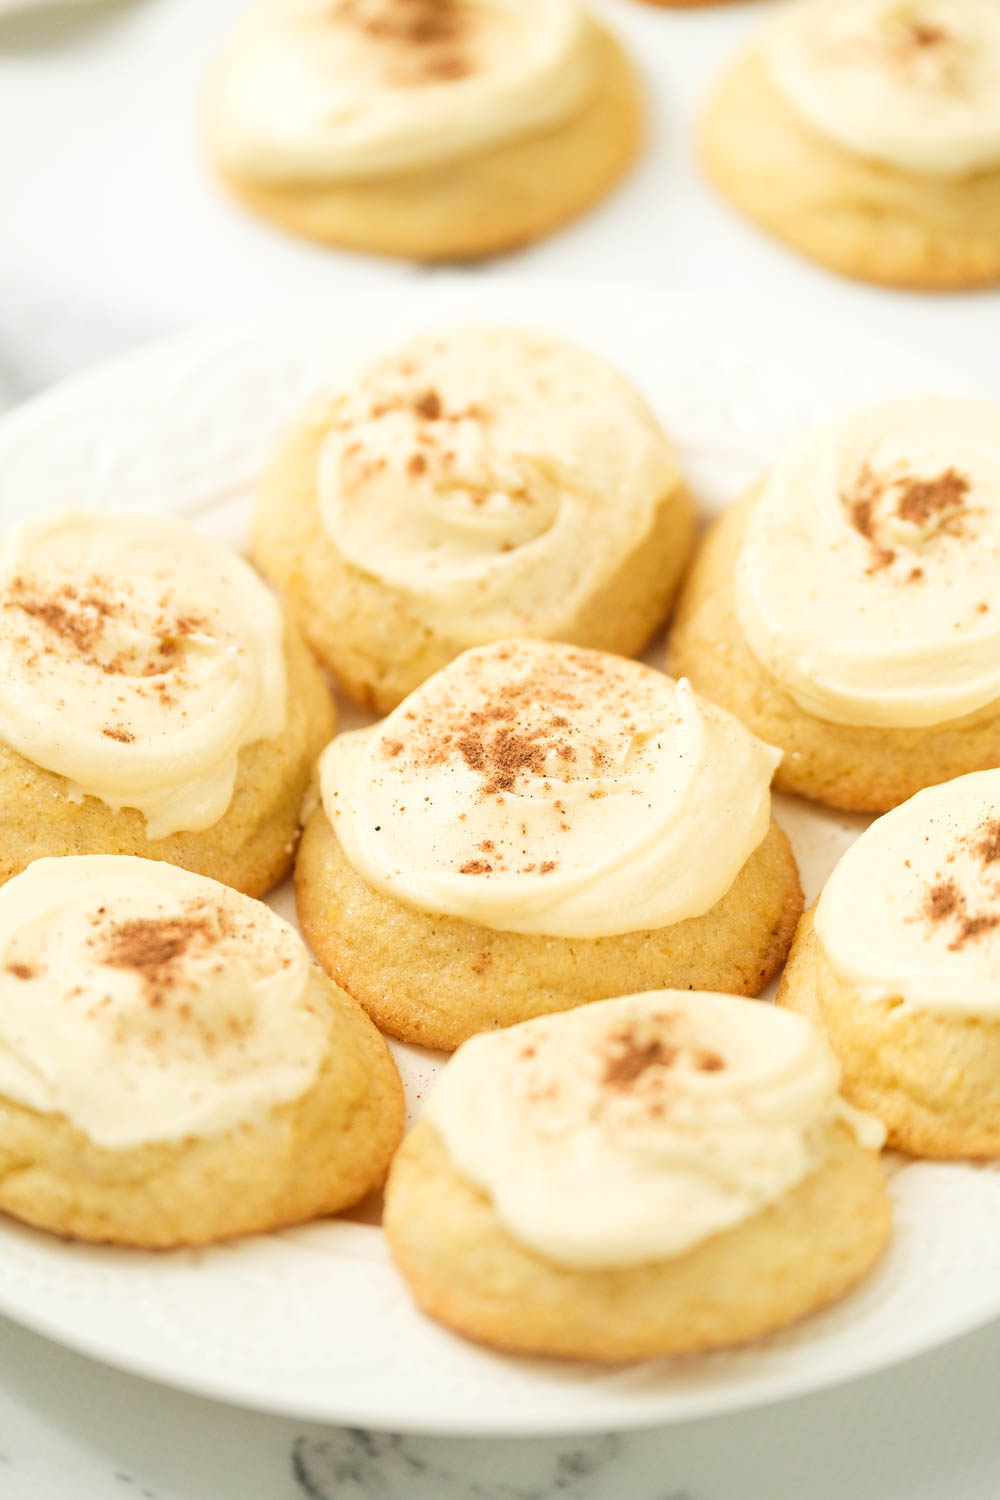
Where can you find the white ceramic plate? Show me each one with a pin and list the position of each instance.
(314, 1321)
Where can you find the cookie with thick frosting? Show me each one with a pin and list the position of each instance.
(846, 610)
(174, 1069)
(539, 826)
(898, 963)
(866, 133)
(153, 700)
(649, 1175)
(430, 129)
(476, 484)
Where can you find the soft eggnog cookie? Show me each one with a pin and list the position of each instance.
(173, 1068)
(476, 485)
(153, 701)
(866, 133)
(651, 1175)
(431, 129)
(847, 609)
(899, 965)
(536, 827)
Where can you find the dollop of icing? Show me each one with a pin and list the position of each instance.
(137, 658)
(540, 788)
(912, 911)
(342, 90)
(912, 83)
(634, 1129)
(145, 1003)
(869, 576)
(496, 476)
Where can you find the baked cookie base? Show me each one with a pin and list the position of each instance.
(465, 1270)
(252, 845)
(373, 638)
(932, 1079)
(438, 980)
(311, 1156)
(495, 201)
(856, 767)
(860, 217)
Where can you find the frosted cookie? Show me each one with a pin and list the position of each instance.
(899, 964)
(652, 1175)
(477, 484)
(847, 609)
(430, 129)
(152, 701)
(866, 134)
(173, 1067)
(536, 827)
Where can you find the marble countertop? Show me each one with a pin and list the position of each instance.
(111, 234)
(72, 1430)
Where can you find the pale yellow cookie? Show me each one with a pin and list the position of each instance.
(519, 1211)
(231, 1088)
(854, 766)
(251, 846)
(535, 827)
(507, 187)
(898, 963)
(862, 217)
(932, 1080)
(436, 980)
(529, 467)
(154, 701)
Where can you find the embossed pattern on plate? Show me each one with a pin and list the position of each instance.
(314, 1321)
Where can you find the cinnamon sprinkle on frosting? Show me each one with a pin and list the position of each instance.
(922, 35)
(988, 844)
(428, 405)
(920, 499)
(420, 41)
(946, 902)
(153, 947)
(935, 506)
(413, 22)
(628, 1058)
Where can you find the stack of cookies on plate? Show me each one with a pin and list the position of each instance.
(545, 854)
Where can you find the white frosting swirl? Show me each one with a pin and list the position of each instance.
(539, 788)
(633, 1130)
(869, 580)
(145, 1003)
(912, 911)
(495, 475)
(914, 83)
(137, 658)
(331, 90)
